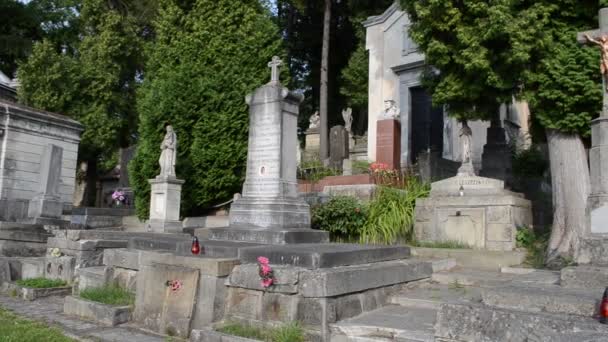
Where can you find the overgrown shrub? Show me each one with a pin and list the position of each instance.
(535, 244)
(343, 217)
(530, 163)
(205, 59)
(391, 214)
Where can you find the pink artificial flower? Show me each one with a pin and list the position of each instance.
(267, 282)
(263, 260)
(265, 269)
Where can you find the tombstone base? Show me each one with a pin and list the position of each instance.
(388, 143)
(274, 236)
(45, 206)
(162, 226)
(260, 212)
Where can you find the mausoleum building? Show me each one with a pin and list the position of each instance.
(395, 68)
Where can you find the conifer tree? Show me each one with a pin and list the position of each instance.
(206, 57)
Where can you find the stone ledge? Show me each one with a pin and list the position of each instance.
(121, 257)
(269, 236)
(102, 212)
(247, 277)
(206, 266)
(470, 322)
(313, 256)
(28, 293)
(552, 299)
(85, 245)
(584, 277)
(482, 259)
(209, 335)
(343, 280)
(109, 315)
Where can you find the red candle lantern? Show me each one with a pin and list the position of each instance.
(196, 246)
(604, 308)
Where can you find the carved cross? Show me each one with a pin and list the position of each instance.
(274, 67)
(599, 37)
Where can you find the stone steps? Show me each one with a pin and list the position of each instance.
(551, 299)
(390, 323)
(431, 296)
(478, 278)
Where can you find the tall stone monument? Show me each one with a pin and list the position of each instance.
(270, 205)
(47, 203)
(388, 143)
(475, 211)
(165, 196)
(594, 245)
(338, 146)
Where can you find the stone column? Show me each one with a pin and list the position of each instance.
(47, 203)
(388, 144)
(496, 158)
(313, 145)
(597, 203)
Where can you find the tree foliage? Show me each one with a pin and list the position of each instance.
(96, 85)
(206, 57)
(488, 52)
(19, 27)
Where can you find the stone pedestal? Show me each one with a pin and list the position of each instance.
(598, 158)
(388, 144)
(165, 200)
(313, 145)
(475, 211)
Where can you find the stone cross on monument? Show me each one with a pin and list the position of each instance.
(274, 67)
(597, 202)
(599, 37)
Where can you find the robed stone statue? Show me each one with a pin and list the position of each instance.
(168, 154)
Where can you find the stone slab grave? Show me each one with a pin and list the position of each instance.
(92, 218)
(474, 211)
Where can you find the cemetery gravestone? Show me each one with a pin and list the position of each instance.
(338, 146)
(388, 143)
(47, 204)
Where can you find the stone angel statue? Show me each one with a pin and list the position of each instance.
(347, 115)
(315, 121)
(168, 154)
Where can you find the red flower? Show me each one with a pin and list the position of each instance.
(266, 283)
(263, 260)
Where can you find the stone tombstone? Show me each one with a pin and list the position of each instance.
(474, 211)
(47, 202)
(165, 299)
(165, 200)
(388, 144)
(338, 146)
(270, 194)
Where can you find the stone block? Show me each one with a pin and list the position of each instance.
(314, 256)
(593, 250)
(31, 294)
(165, 199)
(61, 268)
(160, 307)
(388, 143)
(269, 236)
(312, 311)
(553, 299)
(123, 258)
(11, 248)
(500, 232)
(247, 276)
(209, 335)
(124, 278)
(32, 268)
(93, 277)
(482, 259)
(499, 214)
(243, 303)
(211, 301)
(271, 213)
(206, 266)
(345, 280)
(109, 315)
(348, 306)
(480, 323)
(151, 243)
(278, 307)
(584, 277)
(5, 271)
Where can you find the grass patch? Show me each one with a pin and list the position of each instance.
(535, 245)
(441, 244)
(112, 295)
(16, 329)
(291, 332)
(41, 283)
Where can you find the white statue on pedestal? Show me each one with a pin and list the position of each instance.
(390, 112)
(315, 121)
(466, 138)
(168, 154)
(347, 115)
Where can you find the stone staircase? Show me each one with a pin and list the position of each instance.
(474, 305)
